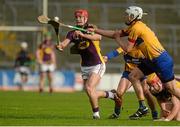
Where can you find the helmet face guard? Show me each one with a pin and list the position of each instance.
(135, 13)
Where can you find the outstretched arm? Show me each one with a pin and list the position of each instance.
(114, 53)
(106, 33)
(93, 37)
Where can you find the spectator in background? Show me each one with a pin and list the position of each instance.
(22, 64)
(47, 60)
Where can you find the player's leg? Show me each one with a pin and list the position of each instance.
(135, 77)
(178, 114)
(164, 67)
(91, 76)
(42, 74)
(171, 86)
(90, 88)
(24, 78)
(41, 81)
(150, 99)
(123, 86)
(50, 77)
(24, 72)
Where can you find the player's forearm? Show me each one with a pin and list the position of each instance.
(63, 44)
(53, 58)
(106, 33)
(112, 54)
(94, 37)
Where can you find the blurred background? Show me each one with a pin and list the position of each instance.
(18, 23)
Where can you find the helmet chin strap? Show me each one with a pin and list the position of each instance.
(132, 21)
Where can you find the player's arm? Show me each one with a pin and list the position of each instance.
(175, 108)
(107, 33)
(63, 44)
(126, 46)
(113, 54)
(164, 112)
(53, 57)
(38, 56)
(93, 37)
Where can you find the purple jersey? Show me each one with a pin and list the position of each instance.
(47, 49)
(89, 50)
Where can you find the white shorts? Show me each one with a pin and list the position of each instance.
(47, 67)
(98, 69)
(23, 70)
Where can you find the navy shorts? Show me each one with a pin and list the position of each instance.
(125, 74)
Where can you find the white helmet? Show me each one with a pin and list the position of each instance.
(137, 12)
(24, 45)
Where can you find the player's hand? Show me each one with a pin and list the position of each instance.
(162, 119)
(78, 34)
(105, 58)
(91, 30)
(165, 113)
(59, 47)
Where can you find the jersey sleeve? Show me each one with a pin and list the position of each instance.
(133, 35)
(70, 35)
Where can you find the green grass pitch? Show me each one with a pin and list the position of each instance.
(66, 109)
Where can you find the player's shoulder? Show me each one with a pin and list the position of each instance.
(69, 32)
(138, 27)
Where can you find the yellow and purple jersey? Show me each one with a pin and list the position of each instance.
(144, 39)
(45, 52)
(89, 50)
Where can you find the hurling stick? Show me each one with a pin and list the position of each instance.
(45, 20)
